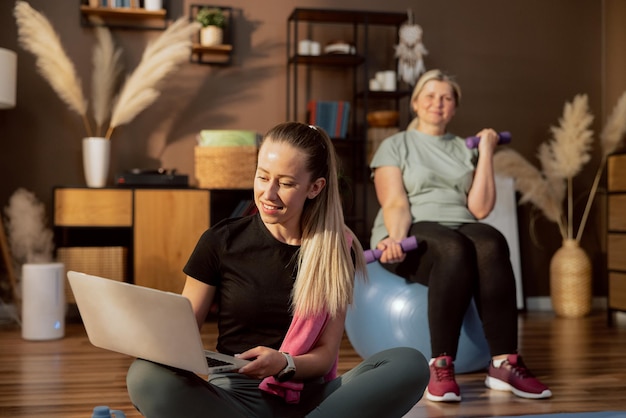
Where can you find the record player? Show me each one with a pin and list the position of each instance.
(160, 177)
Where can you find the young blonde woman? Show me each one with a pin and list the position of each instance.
(429, 184)
(283, 279)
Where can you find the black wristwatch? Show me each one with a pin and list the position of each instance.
(289, 371)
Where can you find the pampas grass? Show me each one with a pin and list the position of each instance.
(107, 69)
(30, 239)
(141, 89)
(36, 35)
(533, 185)
(159, 59)
(561, 159)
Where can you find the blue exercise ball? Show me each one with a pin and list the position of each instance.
(390, 312)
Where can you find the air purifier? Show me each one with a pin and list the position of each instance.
(43, 301)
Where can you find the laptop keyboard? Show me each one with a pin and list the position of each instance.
(212, 362)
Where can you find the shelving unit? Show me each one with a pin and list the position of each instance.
(215, 54)
(616, 234)
(352, 150)
(124, 17)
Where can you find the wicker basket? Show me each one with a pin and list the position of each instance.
(570, 281)
(225, 167)
(109, 262)
(383, 118)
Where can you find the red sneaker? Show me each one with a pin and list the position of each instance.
(513, 376)
(442, 387)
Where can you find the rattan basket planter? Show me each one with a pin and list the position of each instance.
(570, 281)
(225, 167)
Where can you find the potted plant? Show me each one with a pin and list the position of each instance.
(213, 21)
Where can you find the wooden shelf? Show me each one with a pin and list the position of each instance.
(616, 233)
(126, 17)
(348, 16)
(216, 54)
(385, 95)
(341, 60)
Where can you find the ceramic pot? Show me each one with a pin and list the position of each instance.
(153, 4)
(570, 281)
(211, 36)
(96, 156)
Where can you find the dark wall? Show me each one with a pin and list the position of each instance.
(517, 62)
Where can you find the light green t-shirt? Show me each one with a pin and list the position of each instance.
(437, 172)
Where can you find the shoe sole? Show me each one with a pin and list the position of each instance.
(447, 397)
(497, 384)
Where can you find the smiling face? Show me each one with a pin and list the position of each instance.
(281, 187)
(434, 106)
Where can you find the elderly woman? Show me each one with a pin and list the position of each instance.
(429, 184)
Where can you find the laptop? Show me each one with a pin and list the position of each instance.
(145, 323)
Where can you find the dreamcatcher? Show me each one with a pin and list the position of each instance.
(410, 51)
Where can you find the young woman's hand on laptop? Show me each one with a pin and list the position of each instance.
(264, 362)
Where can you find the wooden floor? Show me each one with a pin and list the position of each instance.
(583, 361)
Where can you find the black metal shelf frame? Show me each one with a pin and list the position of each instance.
(359, 64)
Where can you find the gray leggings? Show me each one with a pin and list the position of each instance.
(387, 384)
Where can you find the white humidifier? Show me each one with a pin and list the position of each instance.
(43, 301)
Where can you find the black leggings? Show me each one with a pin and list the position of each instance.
(456, 265)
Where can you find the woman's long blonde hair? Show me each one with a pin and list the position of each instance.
(326, 270)
(439, 76)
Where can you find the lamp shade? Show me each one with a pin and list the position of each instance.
(8, 78)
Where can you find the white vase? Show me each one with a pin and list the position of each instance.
(211, 36)
(153, 5)
(43, 301)
(96, 155)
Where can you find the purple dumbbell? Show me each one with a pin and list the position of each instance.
(503, 138)
(407, 244)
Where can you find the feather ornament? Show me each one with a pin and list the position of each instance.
(410, 51)
(107, 69)
(159, 59)
(36, 35)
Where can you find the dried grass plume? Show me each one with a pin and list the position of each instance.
(107, 69)
(141, 89)
(561, 159)
(160, 58)
(30, 240)
(36, 35)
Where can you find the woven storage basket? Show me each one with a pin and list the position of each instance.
(109, 262)
(570, 281)
(225, 167)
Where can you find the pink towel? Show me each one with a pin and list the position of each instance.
(302, 335)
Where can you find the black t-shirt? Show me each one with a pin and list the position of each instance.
(254, 274)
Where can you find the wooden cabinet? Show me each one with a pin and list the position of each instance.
(160, 227)
(616, 237)
(167, 225)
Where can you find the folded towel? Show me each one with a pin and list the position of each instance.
(301, 337)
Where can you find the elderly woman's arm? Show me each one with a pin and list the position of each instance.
(396, 213)
(482, 195)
